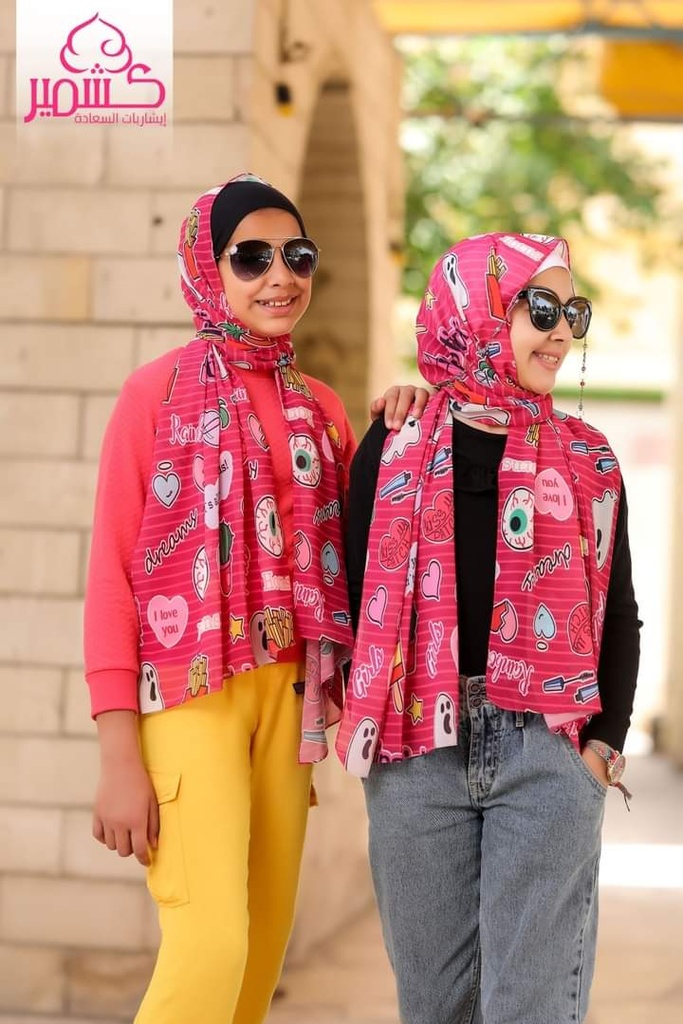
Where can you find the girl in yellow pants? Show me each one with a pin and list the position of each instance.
(216, 584)
(233, 806)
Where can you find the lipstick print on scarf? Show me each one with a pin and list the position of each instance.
(496, 268)
(187, 263)
(396, 680)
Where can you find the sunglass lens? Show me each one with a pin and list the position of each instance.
(544, 310)
(301, 256)
(579, 316)
(251, 259)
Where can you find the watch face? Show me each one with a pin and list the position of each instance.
(615, 769)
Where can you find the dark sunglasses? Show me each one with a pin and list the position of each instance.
(545, 310)
(251, 259)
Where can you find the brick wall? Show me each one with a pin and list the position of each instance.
(88, 291)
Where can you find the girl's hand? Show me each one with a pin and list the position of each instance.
(596, 764)
(126, 813)
(396, 403)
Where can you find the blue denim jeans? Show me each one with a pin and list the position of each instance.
(485, 862)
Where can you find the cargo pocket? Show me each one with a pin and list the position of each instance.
(166, 876)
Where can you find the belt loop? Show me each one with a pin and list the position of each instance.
(519, 719)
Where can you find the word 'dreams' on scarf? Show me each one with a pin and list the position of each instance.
(166, 546)
(560, 558)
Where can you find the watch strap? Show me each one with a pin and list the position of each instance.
(612, 757)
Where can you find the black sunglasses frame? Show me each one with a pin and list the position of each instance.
(574, 317)
(268, 250)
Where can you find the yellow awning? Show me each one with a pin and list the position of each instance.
(641, 75)
(456, 17)
(643, 80)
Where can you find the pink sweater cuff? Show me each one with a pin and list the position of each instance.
(112, 690)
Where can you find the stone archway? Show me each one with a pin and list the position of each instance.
(333, 342)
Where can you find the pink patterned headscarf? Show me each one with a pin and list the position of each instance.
(210, 573)
(559, 487)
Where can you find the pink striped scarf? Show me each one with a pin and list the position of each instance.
(210, 574)
(559, 487)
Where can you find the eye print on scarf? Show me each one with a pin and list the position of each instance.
(268, 526)
(362, 747)
(454, 281)
(306, 465)
(409, 434)
(149, 694)
(517, 523)
(603, 517)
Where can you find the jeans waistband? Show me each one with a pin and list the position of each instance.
(472, 693)
(473, 696)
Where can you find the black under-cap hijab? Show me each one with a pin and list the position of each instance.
(236, 200)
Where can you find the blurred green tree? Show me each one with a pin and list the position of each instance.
(506, 134)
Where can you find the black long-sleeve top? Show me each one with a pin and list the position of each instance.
(477, 454)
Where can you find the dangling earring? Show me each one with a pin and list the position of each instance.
(582, 381)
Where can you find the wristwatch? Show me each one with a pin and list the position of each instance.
(616, 764)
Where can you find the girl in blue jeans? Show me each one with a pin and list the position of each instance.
(496, 651)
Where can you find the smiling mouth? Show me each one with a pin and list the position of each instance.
(277, 303)
(550, 361)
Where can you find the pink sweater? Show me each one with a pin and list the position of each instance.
(111, 619)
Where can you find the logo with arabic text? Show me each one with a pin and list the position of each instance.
(100, 82)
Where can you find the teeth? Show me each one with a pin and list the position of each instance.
(553, 360)
(275, 304)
